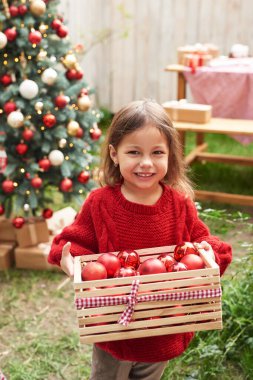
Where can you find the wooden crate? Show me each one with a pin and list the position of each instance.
(99, 324)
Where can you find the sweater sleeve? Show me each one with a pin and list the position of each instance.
(199, 232)
(80, 233)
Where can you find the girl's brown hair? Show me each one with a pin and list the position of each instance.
(127, 120)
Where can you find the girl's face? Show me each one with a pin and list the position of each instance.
(142, 157)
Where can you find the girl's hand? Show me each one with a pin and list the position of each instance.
(207, 247)
(67, 260)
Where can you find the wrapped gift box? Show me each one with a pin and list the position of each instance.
(188, 112)
(60, 219)
(32, 233)
(34, 257)
(7, 231)
(201, 50)
(6, 255)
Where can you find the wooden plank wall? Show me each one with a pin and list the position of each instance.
(127, 67)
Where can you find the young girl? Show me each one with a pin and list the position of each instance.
(146, 202)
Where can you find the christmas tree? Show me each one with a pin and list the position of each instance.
(48, 129)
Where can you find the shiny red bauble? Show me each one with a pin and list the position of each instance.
(193, 261)
(2, 210)
(9, 107)
(95, 133)
(56, 23)
(152, 266)
(13, 11)
(178, 267)
(11, 34)
(83, 177)
(18, 222)
(62, 31)
(125, 272)
(35, 37)
(167, 260)
(49, 120)
(79, 75)
(8, 186)
(36, 182)
(110, 262)
(184, 249)
(129, 259)
(61, 101)
(22, 9)
(66, 185)
(84, 91)
(79, 133)
(93, 271)
(71, 74)
(27, 134)
(47, 213)
(21, 149)
(44, 164)
(5, 80)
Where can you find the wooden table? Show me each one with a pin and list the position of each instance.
(199, 153)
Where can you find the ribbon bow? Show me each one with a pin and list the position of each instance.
(126, 316)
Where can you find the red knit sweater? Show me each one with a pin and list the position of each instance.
(108, 222)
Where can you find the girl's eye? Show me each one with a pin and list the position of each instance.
(133, 152)
(157, 152)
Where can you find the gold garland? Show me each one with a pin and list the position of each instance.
(6, 8)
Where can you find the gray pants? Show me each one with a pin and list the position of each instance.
(106, 367)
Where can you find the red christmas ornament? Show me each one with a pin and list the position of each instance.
(35, 37)
(21, 149)
(18, 222)
(79, 75)
(3, 160)
(95, 133)
(66, 185)
(61, 101)
(84, 91)
(125, 272)
(178, 267)
(44, 164)
(9, 107)
(55, 24)
(110, 262)
(6, 80)
(152, 266)
(167, 260)
(129, 259)
(36, 182)
(71, 74)
(193, 261)
(13, 10)
(47, 213)
(27, 134)
(62, 31)
(83, 177)
(11, 34)
(184, 249)
(8, 186)
(22, 9)
(49, 120)
(2, 210)
(79, 133)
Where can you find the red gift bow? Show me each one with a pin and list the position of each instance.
(132, 299)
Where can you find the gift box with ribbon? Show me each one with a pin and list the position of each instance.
(181, 110)
(7, 231)
(156, 304)
(33, 232)
(6, 255)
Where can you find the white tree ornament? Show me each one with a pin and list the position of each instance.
(28, 89)
(56, 157)
(3, 40)
(15, 119)
(49, 76)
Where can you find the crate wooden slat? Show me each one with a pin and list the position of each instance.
(154, 318)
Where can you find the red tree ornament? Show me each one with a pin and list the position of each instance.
(79, 133)
(3, 160)
(8, 186)
(167, 260)
(66, 185)
(18, 222)
(62, 31)
(36, 182)
(22, 9)
(61, 101)
(9, 107)
(27, 134)
(79, 75)
(71, 74)
(35, 37)
(129, 259)
(11, 34)
(21, 149)
(47, 213)
(13, 10)
(83, 177)
(184, 249)
(2, 210)
(55, 24)
(44, 164)
(95, 133)
(49, 120)
(5, 80)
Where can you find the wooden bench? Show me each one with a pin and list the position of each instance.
(199, 153)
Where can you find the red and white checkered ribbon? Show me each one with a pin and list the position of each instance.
(132, 299)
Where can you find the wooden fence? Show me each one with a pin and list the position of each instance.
(138, 38)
